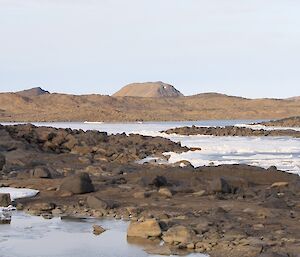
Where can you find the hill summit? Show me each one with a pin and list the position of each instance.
(149, 89)
(36, 91)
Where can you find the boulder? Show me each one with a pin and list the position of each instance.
(144, 229)
(78, 184)
(40, 172)
(98, 230)
(165, 192)
(5, 200)
(179, 234)
(97, 203)
(228, 185)
(2, 161)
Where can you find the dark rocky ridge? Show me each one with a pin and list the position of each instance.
(231, 131)
(286, 122)
(228, 210)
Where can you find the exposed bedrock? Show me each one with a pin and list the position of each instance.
(231, 131)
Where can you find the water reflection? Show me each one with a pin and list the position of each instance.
(37, 237)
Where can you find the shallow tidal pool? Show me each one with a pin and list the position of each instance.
(32, 236)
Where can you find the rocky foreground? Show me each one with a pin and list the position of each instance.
(287, 122)
(232, 131)
(229, 210)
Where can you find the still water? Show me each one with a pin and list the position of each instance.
(31, 236)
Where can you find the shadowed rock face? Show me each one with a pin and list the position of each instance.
(149, 89)
(36, 91)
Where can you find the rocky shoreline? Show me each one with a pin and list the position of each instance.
(232, 131)
(287, 122)
(228, 210)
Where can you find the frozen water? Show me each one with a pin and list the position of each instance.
(283, 152)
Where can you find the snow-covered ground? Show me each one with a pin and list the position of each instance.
(17, 193)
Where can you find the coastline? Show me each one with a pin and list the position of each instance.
(225, 210)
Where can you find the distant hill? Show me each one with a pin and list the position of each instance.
(38, 105)
(36, 91)
(296, 98)
(148, 89)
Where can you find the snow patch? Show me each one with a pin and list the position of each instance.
(17, 193)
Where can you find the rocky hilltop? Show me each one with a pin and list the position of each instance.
(32, 92)
(149, 89)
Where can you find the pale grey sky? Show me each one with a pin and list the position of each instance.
(238, 47)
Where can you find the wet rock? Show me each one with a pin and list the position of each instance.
(158, 250)
(179, 234)
(98, 230)
(77, 184)
(144, 229)
(40, 172)
(5, 200)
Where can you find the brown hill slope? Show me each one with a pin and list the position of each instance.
(149, 89)
(61, 107)
(296, 98)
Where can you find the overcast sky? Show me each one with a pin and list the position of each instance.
(238, 47)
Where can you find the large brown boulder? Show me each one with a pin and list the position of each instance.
(179, 234)
(144, 229)
(78, 184)
(2, 161)
(5, 200)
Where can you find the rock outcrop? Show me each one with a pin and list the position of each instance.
(287, 122)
